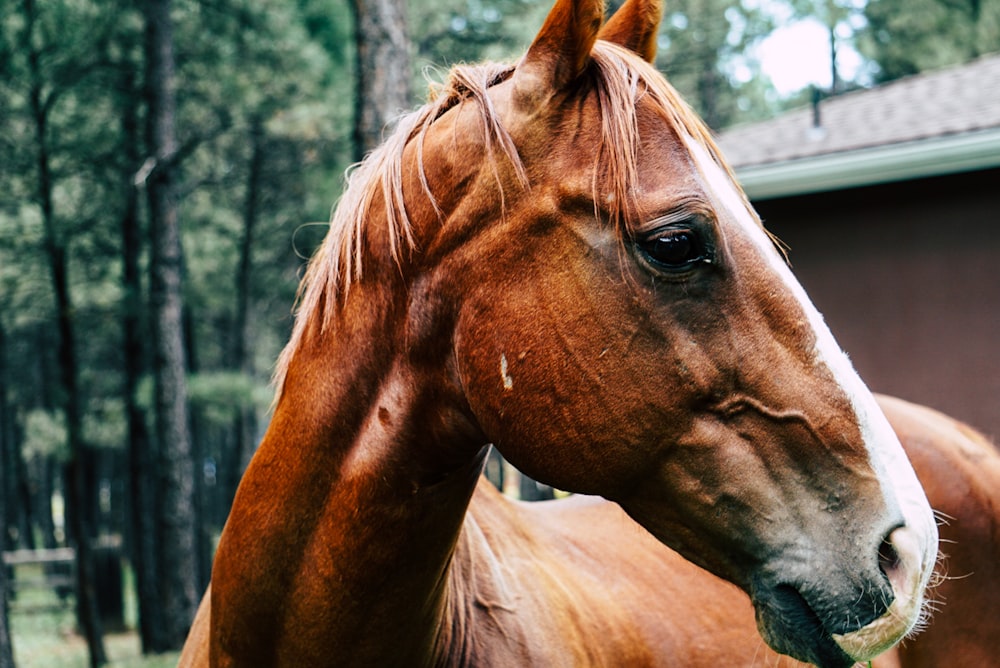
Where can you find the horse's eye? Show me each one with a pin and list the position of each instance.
(676, 249)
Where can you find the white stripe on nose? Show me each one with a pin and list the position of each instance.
(900, 487)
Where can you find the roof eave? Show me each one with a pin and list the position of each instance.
(936, 156)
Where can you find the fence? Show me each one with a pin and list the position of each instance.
(57, 572)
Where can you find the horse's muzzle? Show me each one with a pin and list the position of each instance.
(831, 622)
(901, 560)
(791, 626)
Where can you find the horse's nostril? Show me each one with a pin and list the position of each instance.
(888, 557)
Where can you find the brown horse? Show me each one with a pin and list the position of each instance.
(702, 621)
(711, 623)
(552, 257)
(960, 471)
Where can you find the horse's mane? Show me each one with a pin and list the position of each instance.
(620, 79)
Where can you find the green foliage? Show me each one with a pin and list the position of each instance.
(702, 43)
(456, 31)
(104, 424)
(268, 78)
(904, 38)
(45, 435)
(220, 395)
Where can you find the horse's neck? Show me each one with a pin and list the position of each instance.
(345, 522)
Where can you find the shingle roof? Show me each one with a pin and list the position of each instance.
(936, 104)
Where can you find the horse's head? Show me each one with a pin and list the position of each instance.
(611, 314)
(624, 326)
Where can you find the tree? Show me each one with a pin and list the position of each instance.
(699, 39)
(256, 154)
(141, 457)
(839, 17)
(6, 648)
(176, 523)
(42, 96)
(245, 133)
(382, 70)
(446, 32)
(904, 38)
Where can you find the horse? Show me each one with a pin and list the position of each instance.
(552, 257)
(708, 622)
(712, 624)
(960, 471)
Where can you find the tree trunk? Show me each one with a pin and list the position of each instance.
(8, 454)
(834, 72)
(246, 420)
(47, 475)
(708, 93)
(494, 468)
(24, 505)
(18, 490)
(176, 526)
(382, 69)
(6, 649)
(141, 456)
(532, 490)
(20, 504)
(69, 399)
(201, 432)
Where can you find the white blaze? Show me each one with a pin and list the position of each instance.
(899, 483)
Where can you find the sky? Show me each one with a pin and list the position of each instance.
(798, 55)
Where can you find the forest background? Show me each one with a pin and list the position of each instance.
(167, 166)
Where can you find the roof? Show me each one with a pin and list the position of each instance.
(929, 124)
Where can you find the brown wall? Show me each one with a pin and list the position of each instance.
(908, 278)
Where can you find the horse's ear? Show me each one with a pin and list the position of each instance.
(561, 49)
(635, 26)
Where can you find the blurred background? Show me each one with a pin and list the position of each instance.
(167, 167)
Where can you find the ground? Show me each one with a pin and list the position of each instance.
(44, 635)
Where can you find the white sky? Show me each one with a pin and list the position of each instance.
(798, 55)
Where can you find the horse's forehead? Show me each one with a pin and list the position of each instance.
(665, 164)
(582, 162)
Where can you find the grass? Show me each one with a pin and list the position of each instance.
(43, 631)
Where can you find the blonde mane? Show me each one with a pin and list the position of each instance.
(620, 78)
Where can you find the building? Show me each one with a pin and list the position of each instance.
(889, 200)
